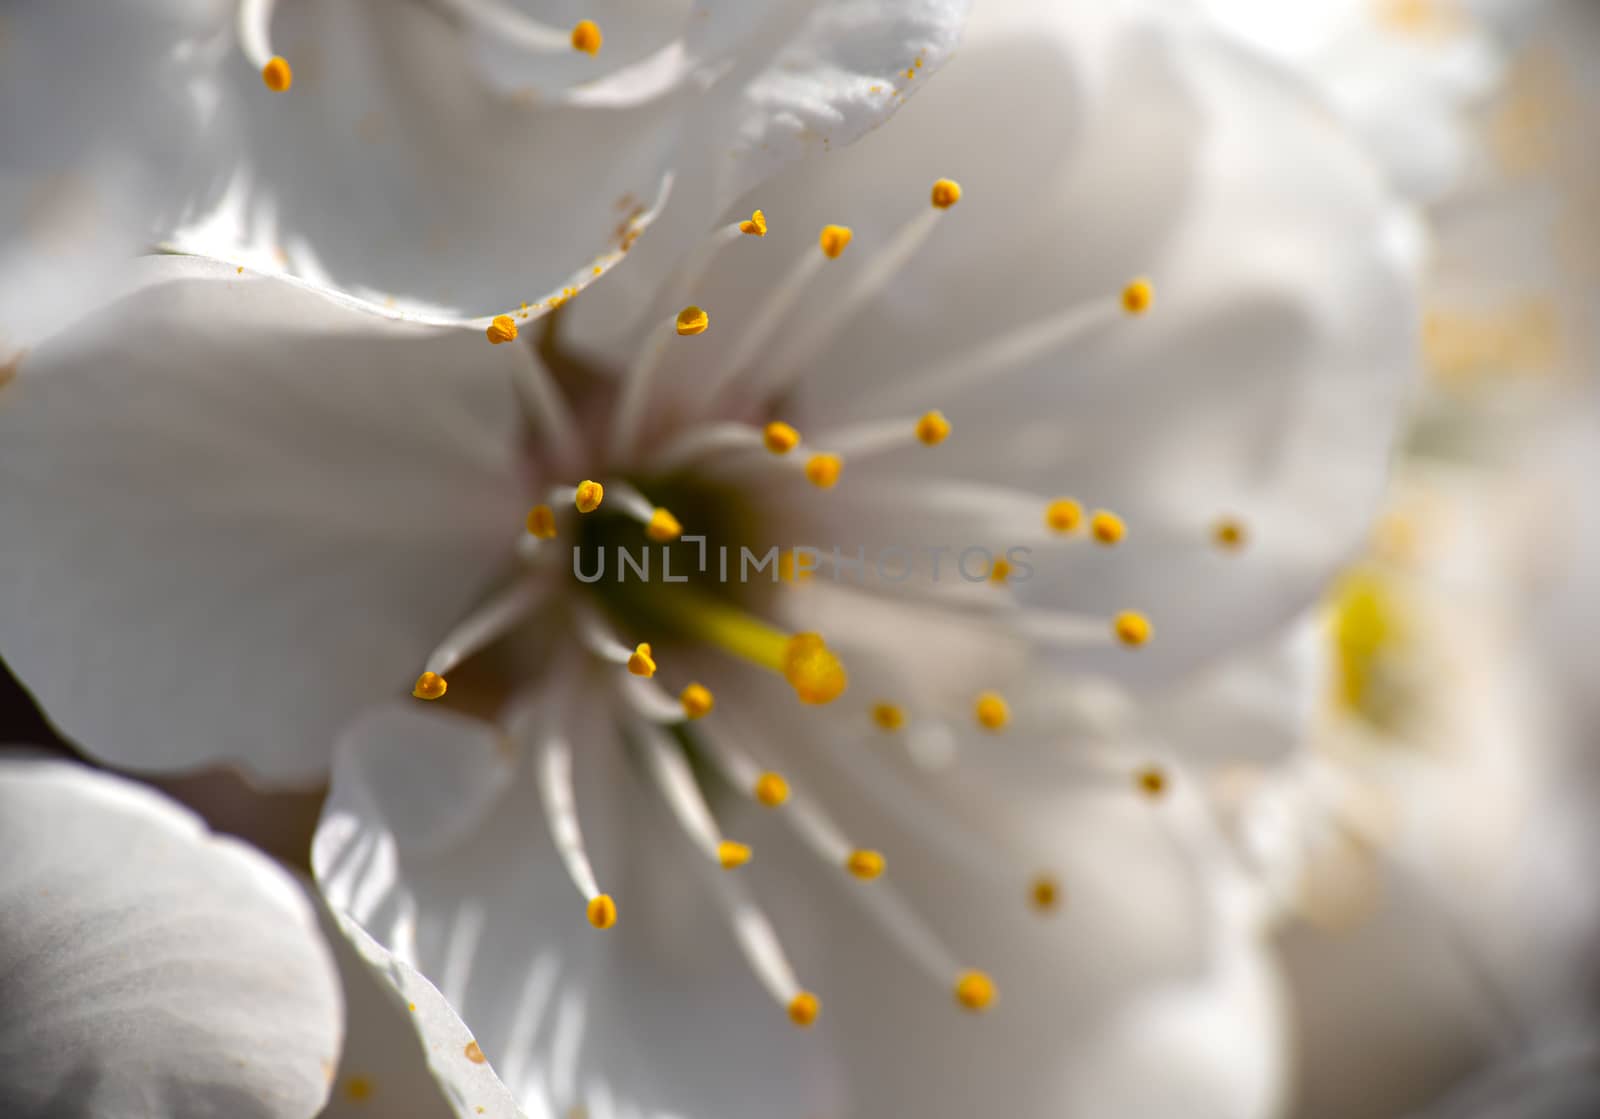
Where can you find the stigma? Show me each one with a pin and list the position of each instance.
(812, 670)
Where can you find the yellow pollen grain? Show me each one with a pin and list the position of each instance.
(1063, 515)
(1132, 628)
(502, 329)
(823, 470)
(692, 320)
(1137, 297)
(277, 74)
(589, 495)
(732, 855)
(946, 193)
(999, 571)
(430, 685)
(358, 1088)
(1045, 894)
(975, 991)
(771, 789)
(663, 527)
(1107, 528)
(833, 240)
(542, 522)
(780, 437)
(1230, 534)
(1152, 782)
(642, 662)
(602, 911)
(992, 711)
(586, 37)
(933, 429)
(812, 669)
(803, 1009)
(888, 716)
(474, 1053)
(756, 226)
(697, 701)
(864, 864)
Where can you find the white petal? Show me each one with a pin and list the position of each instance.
(1264, 384)
(388, 171)
(151, 968)
(245, 513)
(565, 1014)
(102, 106)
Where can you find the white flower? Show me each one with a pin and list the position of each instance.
(102, 102)
(254, 512)
(462, 159)
(1405, 73)
(149, 967)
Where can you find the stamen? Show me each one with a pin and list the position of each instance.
(742, 771)
(681, 285)
(756, 226)
(1132, 628)
(878, 437)
(1107, 528)
(823, 470)
(1230, 534)
(833, 240)
(253, 19)
(992, 711)
(542, 522)
(636, 384)
(502, 328)
(641, 663)
(700, 442)
(586, 37)
(552, 769)
(1063, 515)
(771, 789)
(977, 368)
(588, 495)
(888, 717)
(946, 193)
(277, 75)
(697, 701)
(650, 701)
(780, 438)
(803, 1009)
(480, 629)
(975, 991)
(732, 855)
(547, 409)
(804, 347)
(1137, 297)
(663, 527)
(865, 864)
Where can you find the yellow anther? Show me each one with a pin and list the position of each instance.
(663, 527)
(946, 193)
(933, 429)
(502, 329)
(975, 991)
(823, 470)
(602, 911)
(1063, 515)
(430, 685)
(692, 320)
(992, 711)
(1137, 297)
(1132, 628)
(1152, 782)
(1045, 894)
(277, 74)
(812, 670)
(864, 864)
(642, 662)
(803, 1009)
(731, 854)
(833, 240)
(999, 570)
(586, 37)
(756, 226)
(790, 571)
(1230, 534)
(771, 789)
(589, 495)
(697, 701)
(1107, 527)
(780, 438)
(542, 522)
(888, 716)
